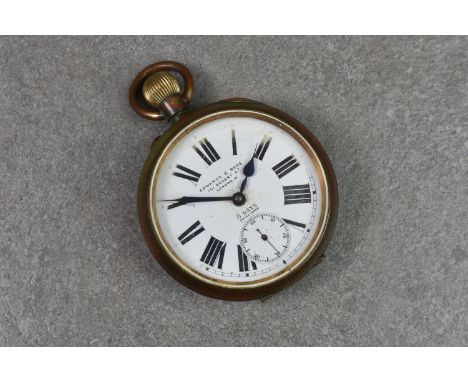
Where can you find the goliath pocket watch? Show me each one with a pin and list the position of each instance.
(236, 199)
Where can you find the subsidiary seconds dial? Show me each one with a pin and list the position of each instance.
(265, 238)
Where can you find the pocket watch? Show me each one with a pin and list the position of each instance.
(236, 199)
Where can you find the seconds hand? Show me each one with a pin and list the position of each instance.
(265, 238)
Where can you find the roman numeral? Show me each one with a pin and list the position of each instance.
(192, 231)
(285, 166)
(262, 147)
(234, 143)
(210, 155)
(187, 173)
(214, 251)
(297, 194)
(292, 222)
(245, 264)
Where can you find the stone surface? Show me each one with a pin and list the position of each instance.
(392, 112)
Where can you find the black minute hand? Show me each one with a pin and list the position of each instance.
(195, 199)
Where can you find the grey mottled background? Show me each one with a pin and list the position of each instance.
(392, 112)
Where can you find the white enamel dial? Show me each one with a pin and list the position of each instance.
(203, 227)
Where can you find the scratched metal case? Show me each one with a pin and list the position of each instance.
(184, 120)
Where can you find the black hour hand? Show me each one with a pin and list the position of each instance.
(248, 171)
(195, 199)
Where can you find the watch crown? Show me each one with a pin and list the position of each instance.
(158, 86)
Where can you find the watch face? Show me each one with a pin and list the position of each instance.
(238, 199)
